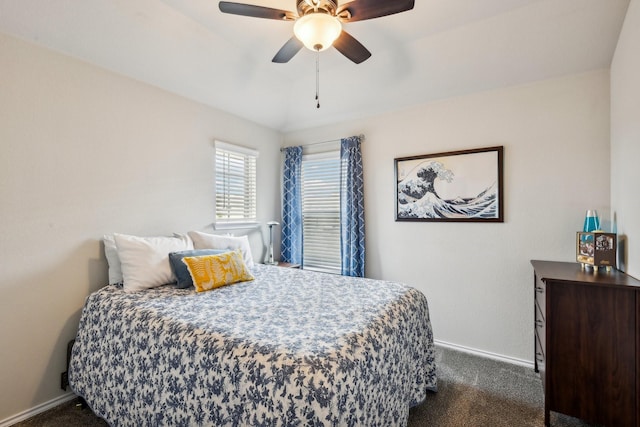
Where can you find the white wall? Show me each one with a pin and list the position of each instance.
(86, 152)
(625, 138)
(477, 277)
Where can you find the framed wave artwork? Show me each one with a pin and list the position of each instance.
(460, 186)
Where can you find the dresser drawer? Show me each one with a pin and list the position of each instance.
(540, 292)
(540, 355)
(541, 350)
(540, 320)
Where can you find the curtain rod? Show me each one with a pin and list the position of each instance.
(321, 142)
(314, 143)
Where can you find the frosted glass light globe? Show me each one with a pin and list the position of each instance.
(317, 31)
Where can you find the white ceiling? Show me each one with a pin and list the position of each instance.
(440, 49)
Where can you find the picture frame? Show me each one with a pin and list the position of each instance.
(455, 186)
(597, 249)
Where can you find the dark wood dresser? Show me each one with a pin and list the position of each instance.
(587, 340)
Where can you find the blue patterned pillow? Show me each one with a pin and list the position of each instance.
(180, 269)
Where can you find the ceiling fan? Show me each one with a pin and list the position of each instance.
(318, 23)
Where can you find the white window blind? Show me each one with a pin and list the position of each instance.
(321, 212)
(235, 184)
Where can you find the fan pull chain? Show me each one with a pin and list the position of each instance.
(317, 78)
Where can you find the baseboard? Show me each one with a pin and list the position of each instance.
(36, 410)
(487, 354)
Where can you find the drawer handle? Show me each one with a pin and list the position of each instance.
(539, 289)
(539, 356)
(539, 323)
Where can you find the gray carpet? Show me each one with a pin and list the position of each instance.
(472, 391)
(475, 391)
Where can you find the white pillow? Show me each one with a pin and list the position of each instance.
(214, 241)
(111, 252)
(145, 260)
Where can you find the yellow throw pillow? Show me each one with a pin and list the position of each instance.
(213, 271)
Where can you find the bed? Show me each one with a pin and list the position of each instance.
(290, 348)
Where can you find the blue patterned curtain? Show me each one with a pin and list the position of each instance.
(291, 244)
(352, 207)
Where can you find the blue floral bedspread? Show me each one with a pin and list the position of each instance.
(291, 348)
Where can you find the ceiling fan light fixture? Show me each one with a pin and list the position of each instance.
(317, 30)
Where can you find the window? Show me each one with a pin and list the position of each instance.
(235, 184)
(321, 212)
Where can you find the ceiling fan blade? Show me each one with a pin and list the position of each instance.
(288, 51)
(255, 11)
(351, 48)
(359, 10)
